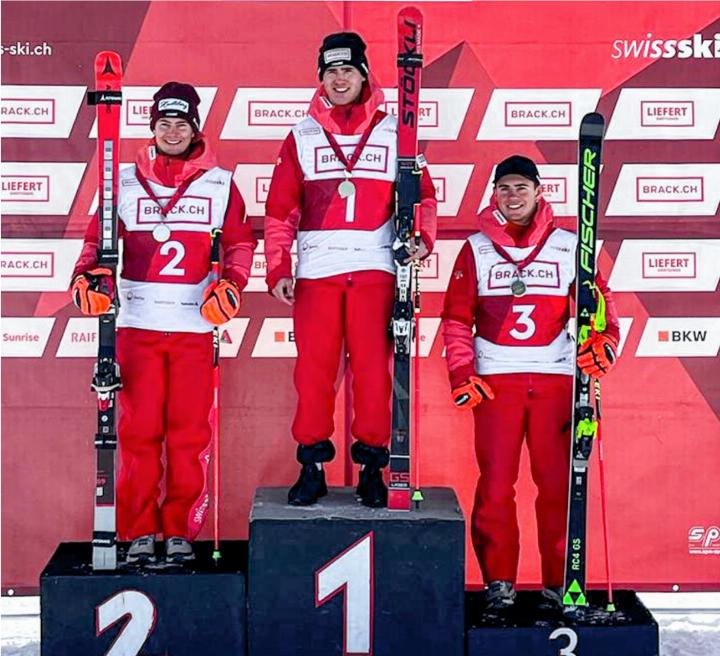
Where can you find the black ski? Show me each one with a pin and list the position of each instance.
(107, 99)
(407, 198)
(589, 313)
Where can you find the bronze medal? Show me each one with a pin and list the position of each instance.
(518, 288)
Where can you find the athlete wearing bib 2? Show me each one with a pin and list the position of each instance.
(510, 359)
(170, 203)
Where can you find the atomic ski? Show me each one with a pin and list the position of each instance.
(107, 99)
(407, 199)
(589, 312)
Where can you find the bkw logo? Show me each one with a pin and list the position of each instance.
(682, 335)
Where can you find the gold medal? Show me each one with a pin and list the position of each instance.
(518, 288)
(346, 189)
(161, 233)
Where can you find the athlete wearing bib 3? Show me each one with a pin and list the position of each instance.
(510, 359)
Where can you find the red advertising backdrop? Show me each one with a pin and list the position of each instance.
(501, 78)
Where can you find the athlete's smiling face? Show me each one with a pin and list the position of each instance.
(342, 84)
(517, 198)
(173, 136)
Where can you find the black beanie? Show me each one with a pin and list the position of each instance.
(176, 100)
(517, 165)
(343, 49)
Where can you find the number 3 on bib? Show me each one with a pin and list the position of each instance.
(524, 326)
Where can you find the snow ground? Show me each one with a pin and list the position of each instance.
(689, 623)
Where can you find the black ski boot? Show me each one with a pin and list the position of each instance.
(310, 486)
(371, 488)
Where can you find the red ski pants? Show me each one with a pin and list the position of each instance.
(166, 398)
(535, 407)
(356, 307)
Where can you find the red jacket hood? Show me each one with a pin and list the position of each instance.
(347, 119)
(500, 231)
(173, 171)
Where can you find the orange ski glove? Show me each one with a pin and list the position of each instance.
(597, 355)
(221, 302)
(93, 291)
(472, 393)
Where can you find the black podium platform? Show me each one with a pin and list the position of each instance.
(339, 578)
(529, 630)
(196, 609)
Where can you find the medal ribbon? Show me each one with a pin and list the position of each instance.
(530, 258)
(179, 192)
(350, 163)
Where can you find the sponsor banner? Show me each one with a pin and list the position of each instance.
(675, 337)
(39, 112)
(136, 105)
(436, 268)
(670, 113)
(265, 113)
(38, 265)
(258, 270)
(269, 113)
(80, 339)
(434, 272)
(253, 181)
(451, 181)
(442, 111)
(25, 337)
(704, 540)
(276, 339)
(231, 336)
(40, 188)
(666, 190)
(665, 265)
(536, 114)
(559, 183)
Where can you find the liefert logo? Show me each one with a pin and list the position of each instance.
(682, 336)
(695, 47)
(704, 540)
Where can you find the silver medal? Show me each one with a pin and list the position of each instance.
(161, 233)
(346, 189)
(518, 288)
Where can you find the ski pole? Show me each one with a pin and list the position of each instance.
(215, 424)
(603, 503)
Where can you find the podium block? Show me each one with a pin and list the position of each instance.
(339, 578)
(528, 630)
(199, 608)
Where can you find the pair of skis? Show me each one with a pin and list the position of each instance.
(590, 315)
(403, 325)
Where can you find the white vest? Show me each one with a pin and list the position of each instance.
(532, 335)
(168, 278)
(328, 252)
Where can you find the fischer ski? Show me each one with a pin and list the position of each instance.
(107, 99)
(407, 199)
(590, 315)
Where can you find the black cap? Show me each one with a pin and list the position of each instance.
(176, 100)
(343, 49)
(517, 165)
